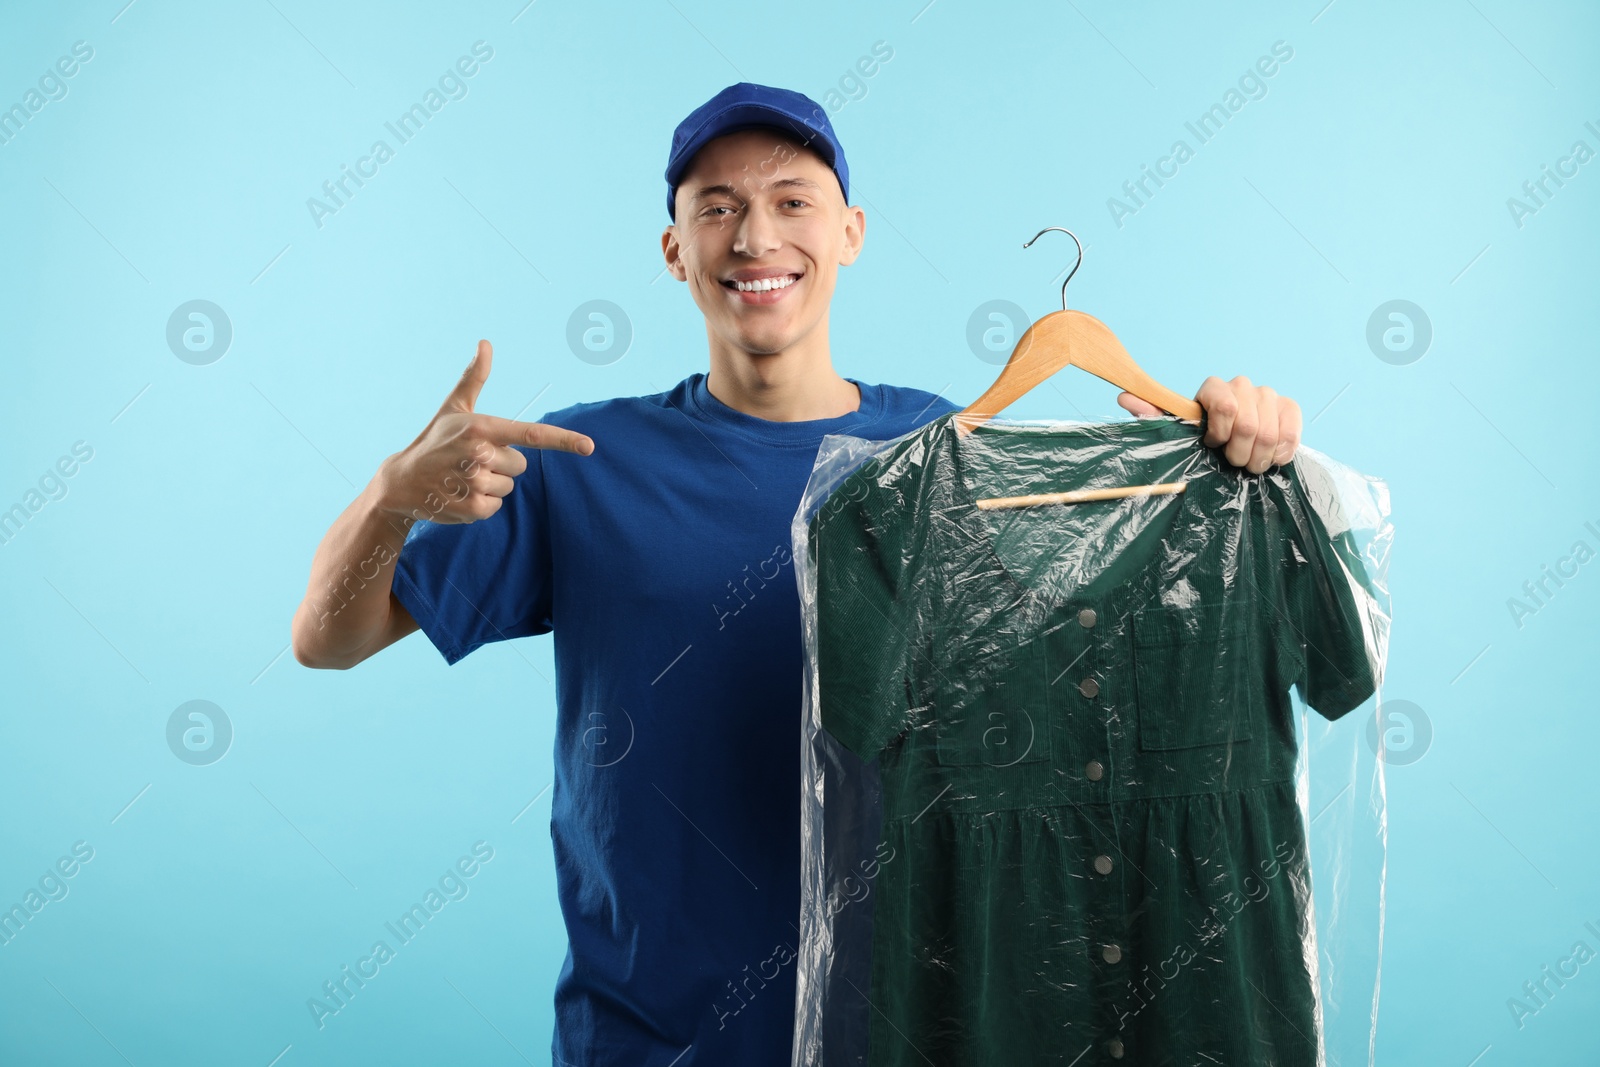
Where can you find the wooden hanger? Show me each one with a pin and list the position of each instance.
(1069, 337)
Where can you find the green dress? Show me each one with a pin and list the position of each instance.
(1090, 846)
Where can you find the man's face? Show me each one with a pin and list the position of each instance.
(754, 205)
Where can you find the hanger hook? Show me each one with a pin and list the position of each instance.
(1075, 266)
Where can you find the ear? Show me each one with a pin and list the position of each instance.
(855, 233)
(671, 252)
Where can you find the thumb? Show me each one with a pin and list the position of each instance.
(465, 394)
(1142, 408)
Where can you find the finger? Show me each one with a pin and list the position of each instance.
(1242, 437)
(535, 435)
(465, 394)
(509, 461)
(501, 459)
(1288, 431)
(490, 484)
(1220, 406)
(481, 505)
(1267, 432)
(1142, 408)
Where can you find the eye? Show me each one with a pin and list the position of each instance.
(796, 200)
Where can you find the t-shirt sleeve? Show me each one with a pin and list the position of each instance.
(1327, 604)
(863, 618)
(468, 584)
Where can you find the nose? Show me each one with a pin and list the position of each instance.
(756, 233)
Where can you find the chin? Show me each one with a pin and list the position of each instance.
(759, 348)
(767, 342)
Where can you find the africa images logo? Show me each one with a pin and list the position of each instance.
(452, 85)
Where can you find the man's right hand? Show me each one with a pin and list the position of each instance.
(461, 465)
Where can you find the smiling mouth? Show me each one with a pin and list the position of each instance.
(763, 285)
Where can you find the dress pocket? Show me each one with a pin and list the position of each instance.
(1196, 675)
(998, 714)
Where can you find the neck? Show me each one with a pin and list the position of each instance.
(796, 385)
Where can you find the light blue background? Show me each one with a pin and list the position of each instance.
(1377, 166)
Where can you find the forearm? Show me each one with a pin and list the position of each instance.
(347, 603)
(459, 469)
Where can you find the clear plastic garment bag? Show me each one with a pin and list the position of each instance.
(1089, 782)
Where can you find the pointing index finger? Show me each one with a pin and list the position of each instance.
(535, 435)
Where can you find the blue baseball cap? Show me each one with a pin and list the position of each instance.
(744, 106)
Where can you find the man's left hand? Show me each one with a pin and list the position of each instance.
(1257, 427)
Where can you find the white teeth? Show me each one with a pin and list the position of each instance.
(764, 284)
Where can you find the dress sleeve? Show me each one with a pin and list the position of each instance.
(1327, 601)
(468, 584)
(863, 618)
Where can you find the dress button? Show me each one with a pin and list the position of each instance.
(1086, 618)
(1089, 688)
(1102, 863)
(1093, 770)
(1111, 953)
(1114, 1048)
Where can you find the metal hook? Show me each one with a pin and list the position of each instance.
(1075, 266)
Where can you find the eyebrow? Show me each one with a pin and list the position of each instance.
(706, 192)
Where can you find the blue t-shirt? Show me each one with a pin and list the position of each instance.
(663, 565)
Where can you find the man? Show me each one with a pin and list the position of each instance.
(651, 535)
